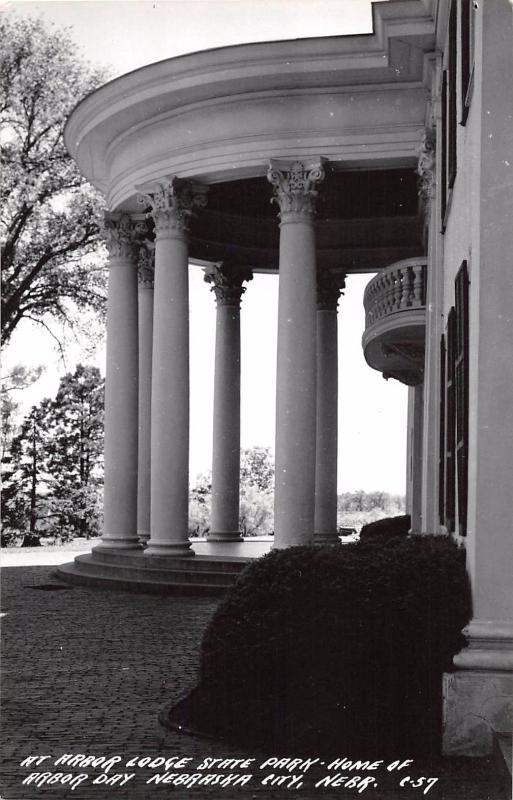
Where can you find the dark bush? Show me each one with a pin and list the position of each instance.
(336, 649)
(390, 527)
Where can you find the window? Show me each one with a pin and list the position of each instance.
(450, 432)
(441, 452)
(449, 114)
(451, 98)
(444, 149)
(467, 55)
(454, 392)
(461, 372)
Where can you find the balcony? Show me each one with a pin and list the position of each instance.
(395, 321)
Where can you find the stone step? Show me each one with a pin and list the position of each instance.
(89, 563)
(194, 563)
(502, 750)
(137, 581)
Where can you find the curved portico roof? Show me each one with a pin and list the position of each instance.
(220, 115)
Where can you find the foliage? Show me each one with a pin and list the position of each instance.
(50, 218)
(13, 509)
(256, 511)
(358, 508)
(256, 516)
(54, 483)
(75, 453)
(256, 496)
(200, 497)
(387, 528)
(19, 378)
(25, 490)
(256, 468)
(336, 649)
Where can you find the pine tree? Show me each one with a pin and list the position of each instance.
(12, 502)
(75, 452)
(24, 496)
(54, 478)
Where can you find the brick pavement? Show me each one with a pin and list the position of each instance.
(87, 671)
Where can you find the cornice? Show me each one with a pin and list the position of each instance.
(260, 59)
(403, 32)
(211, 161)
(216, 103)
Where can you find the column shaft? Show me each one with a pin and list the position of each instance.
(171, 202)
(296, 386)
(226, 442)
(121, 392)
(145, 360)
(170, 400)
(416, 458)
(227, 286)
(296, 379)
(327, 428)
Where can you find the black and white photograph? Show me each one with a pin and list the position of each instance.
(256, 399)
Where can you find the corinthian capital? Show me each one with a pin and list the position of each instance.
(172, 201)
(121, 236)
(294, 187)
(329, 290)
(227, 282)
(426, 167)
(146, 264)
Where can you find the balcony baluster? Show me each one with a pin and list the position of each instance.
(395, 318)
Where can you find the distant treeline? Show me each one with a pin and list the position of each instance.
(349, 502)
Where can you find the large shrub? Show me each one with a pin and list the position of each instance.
(388, 527)
(336, 649)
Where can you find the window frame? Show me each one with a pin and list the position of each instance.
(442, 423)
(467, 27)
(450, 426)
(461, 375)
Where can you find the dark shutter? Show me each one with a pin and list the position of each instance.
(465, 47)
(441, 454)
(444, 149)
(451, 96)
(450, 427)
(461, 369)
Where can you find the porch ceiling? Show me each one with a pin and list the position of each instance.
(366, 219)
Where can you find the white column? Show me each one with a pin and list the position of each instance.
(416, 458)
(227, 286)
(409, 449)
(427, 169)
(146, 276)
(121, 388)
(171, 201)
(328, 292)
(294, 188)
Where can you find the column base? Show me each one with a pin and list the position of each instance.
(478, 697)
(144, 537)
(225, 536)
(326, 537)
(111, 543)
(175, 550)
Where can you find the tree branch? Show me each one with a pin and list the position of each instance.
(52, 334)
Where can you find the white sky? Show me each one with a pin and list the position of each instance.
(126, 34)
